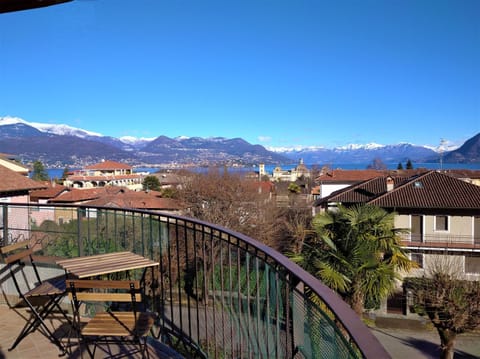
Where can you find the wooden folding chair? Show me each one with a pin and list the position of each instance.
(130, 325)
(41, 296)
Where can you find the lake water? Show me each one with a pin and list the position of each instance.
(57, 172)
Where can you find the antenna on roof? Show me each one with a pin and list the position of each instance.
(441, 148)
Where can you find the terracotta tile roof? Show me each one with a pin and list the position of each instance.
(12, 181)
(108, 165)
(117, 197)
(52, 190)
(463, 173)
(347, 176)
(75, 195)
(13, 163)
(109, 177)
(263, 186)
(355, 176)
(364, 191)
(432, 190)
(429, 190)
(138, 200)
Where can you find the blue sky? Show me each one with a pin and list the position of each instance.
(274, 72)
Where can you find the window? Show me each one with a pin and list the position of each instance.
(417, 258)
(472, 265)
(441, 223)
(418, 184)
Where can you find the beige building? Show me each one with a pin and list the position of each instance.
(440, 212)
(280, 175)
(103, 174)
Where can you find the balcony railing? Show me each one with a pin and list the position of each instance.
(442, 241)
(217, 293)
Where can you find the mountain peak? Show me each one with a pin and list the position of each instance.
(34, 140)
(61, 129)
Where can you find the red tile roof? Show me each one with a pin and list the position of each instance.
(364, 191)
(108, 165)
(75, 195)
(355, 176)
(109, 177)
(349, 175)
(138, 200)
(427, 191)
(117, 197)
(432, 190)
(52, 190)
(12, 181)
(464, 173)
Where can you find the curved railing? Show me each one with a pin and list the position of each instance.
(218, 293)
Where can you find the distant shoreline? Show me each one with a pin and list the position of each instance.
(57, 172)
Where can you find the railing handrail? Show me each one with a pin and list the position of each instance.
(366, 342)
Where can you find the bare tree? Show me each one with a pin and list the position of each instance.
(377, 164)
(224, 199)
(450, 302)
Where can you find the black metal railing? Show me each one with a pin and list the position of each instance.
(217, 293)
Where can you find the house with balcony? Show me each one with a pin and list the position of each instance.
(103, 174)
(441, 212)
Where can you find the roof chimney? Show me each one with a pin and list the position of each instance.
(390, 184)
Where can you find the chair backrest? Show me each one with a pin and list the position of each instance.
(93, 290)
(15, 252)
(15, 256)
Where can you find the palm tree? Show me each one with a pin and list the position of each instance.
(357, 253)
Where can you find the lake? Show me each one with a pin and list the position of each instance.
(57, 172)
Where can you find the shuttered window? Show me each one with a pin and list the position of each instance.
(441, 223)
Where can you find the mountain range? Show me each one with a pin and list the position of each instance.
(62, 145)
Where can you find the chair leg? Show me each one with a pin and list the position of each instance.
(36, 320)
(87, 345)
(145, 349)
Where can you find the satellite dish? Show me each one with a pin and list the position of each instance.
(18, 5)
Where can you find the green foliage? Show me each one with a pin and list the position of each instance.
(65, 172)
(39, 172)
(409, 165)
(247, 282)
(100, 232)
(357, 253)
(399, 166)
(169, 193)
(294, 188)
(151, 183)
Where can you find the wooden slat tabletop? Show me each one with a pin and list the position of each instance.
(91, 266)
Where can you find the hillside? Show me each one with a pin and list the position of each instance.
(469, 152)
(62, 145)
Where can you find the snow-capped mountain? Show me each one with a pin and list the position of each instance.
(60, 145)
(135, 141)
(67, 145)
(361, 153)
(63, 130)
